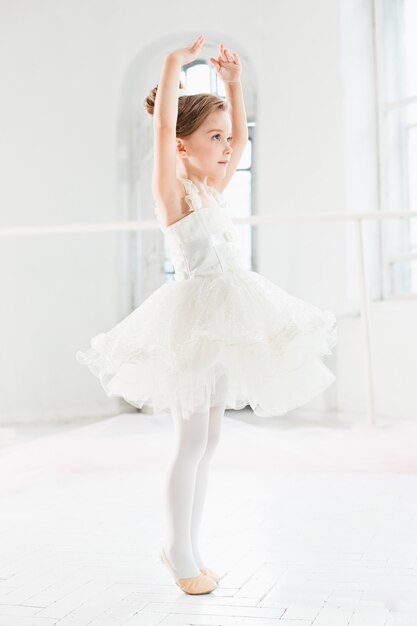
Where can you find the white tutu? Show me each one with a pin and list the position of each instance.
(217, 318)
(175, 345)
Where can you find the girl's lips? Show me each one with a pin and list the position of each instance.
(223, 162)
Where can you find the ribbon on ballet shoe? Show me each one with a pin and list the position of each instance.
(211, 573)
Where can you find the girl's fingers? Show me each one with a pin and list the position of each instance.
(229, 56)
(226, 51)
(225, 55)
(197, 44)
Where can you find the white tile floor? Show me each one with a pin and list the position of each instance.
(310, 522)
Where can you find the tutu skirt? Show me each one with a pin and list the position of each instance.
(170, 351)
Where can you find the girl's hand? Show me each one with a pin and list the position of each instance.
(227, 66)
(186, 55)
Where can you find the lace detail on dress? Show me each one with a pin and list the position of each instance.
(192, 198)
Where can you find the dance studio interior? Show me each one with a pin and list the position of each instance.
(208, 355)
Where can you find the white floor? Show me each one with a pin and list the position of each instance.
(308, 521)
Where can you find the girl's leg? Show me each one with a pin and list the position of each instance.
(216, 415)
(190, 441)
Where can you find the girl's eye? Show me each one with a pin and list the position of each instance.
(218, 135)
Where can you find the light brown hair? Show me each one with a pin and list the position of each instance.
(192, 109)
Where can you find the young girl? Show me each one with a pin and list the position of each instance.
(219, 336)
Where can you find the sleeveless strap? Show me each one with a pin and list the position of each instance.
(192, 197)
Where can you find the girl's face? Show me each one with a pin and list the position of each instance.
(208, 146)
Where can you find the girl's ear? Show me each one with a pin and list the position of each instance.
(181, 150)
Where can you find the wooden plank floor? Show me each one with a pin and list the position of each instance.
(311, 522)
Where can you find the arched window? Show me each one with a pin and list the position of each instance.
(200, 77)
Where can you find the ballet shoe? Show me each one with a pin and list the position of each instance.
(194, 585)
(211, 573)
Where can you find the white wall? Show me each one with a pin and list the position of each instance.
(72, 75)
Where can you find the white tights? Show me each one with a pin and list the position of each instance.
(186, 486)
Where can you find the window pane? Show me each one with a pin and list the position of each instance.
(404, 277)
(410, 38)
(198, 79)
(412, 182)
(400, 54)
(401, 184)
(220, 91)
(393, 47)
(395, 160)
(246, 158)
(238, 194)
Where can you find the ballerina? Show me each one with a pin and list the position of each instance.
(219, 336)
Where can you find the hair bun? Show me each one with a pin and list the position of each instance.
(149, 101)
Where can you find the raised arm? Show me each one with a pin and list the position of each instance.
(234, 96)
(166, 100)
(165, 185)
(228, 68)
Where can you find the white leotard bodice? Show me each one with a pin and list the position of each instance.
(204, 242)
